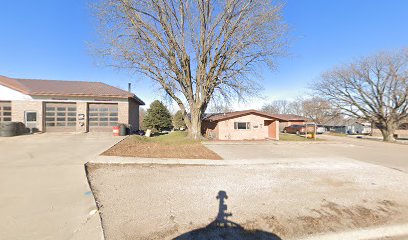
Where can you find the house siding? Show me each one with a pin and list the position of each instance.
(226, 129)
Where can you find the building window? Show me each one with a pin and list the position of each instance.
(242, 125)
(5, 111)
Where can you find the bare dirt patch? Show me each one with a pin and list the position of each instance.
(267, 201)
(173, 145)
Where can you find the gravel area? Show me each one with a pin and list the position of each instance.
(280, 199)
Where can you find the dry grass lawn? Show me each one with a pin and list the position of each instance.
(296, 138)
(172, 145)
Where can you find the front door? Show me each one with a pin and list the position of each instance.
(31, 121)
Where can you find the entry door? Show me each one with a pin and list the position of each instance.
(31, 121)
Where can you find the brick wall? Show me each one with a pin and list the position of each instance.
(258, 130)
(82, 125)
(123, 112)
(134, 114)
(19, 107)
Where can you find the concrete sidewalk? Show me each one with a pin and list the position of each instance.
(44, 192)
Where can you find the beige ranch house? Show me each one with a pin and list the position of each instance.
(67, 106)
(247, 125)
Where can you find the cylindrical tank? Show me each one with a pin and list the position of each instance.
(8, 129)
(122, 130)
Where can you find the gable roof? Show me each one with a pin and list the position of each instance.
(65, 88)
(224, 116)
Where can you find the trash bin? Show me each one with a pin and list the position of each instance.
(122, 130)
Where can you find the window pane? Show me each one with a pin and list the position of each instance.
(61, 119)
(51, 119)
(61, 109)
(71, 124)
(93, 114)
(113, 119)
(242, 125)
(71, 119)
(7, 119)
(7, 108)
(71, 114)
(113, 114)
(103, 119)
(103, 124)
(50, 114)
(113, 124)
(50, 124)
(72, 109)
(6, 113)
(31, 116)
(61, 124)
(50, 109)
(61, 114)
(93, 119)
(104, 109)
(103, 114)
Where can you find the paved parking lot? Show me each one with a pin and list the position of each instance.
(44, 192)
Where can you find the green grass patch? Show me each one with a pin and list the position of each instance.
(172, 138)
(294, 137)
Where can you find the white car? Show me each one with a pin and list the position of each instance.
(320, 129)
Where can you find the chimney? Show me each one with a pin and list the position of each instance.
(130, 87)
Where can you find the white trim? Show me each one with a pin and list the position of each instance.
(8, 94)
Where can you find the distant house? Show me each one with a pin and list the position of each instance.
(247, 125)
(349, 126)
(66, 106)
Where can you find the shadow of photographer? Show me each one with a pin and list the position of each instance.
(222, 228)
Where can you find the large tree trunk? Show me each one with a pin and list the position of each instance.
(387, 131)
(194, 124)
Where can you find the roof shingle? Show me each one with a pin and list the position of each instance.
(229, 115)
(65, 88)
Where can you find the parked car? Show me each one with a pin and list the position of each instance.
(320, 129)
(298, 129)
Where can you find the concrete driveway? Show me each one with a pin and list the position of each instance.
(44, 192)
(391, 155)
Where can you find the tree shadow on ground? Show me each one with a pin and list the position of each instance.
(222, 228)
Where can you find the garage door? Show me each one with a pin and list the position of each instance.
(60, 117)
(101, 117)
(5, 112)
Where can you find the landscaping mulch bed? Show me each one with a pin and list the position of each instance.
(172, 145)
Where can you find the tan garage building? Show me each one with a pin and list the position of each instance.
(67, 106)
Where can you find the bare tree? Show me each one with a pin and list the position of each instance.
(194, 49)
(373, 88)
(278, 107)
(318, 110)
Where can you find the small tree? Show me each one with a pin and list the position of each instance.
(157, 117)
(178, 120)
(374, 89)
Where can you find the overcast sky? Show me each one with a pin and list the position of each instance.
(49, 39)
